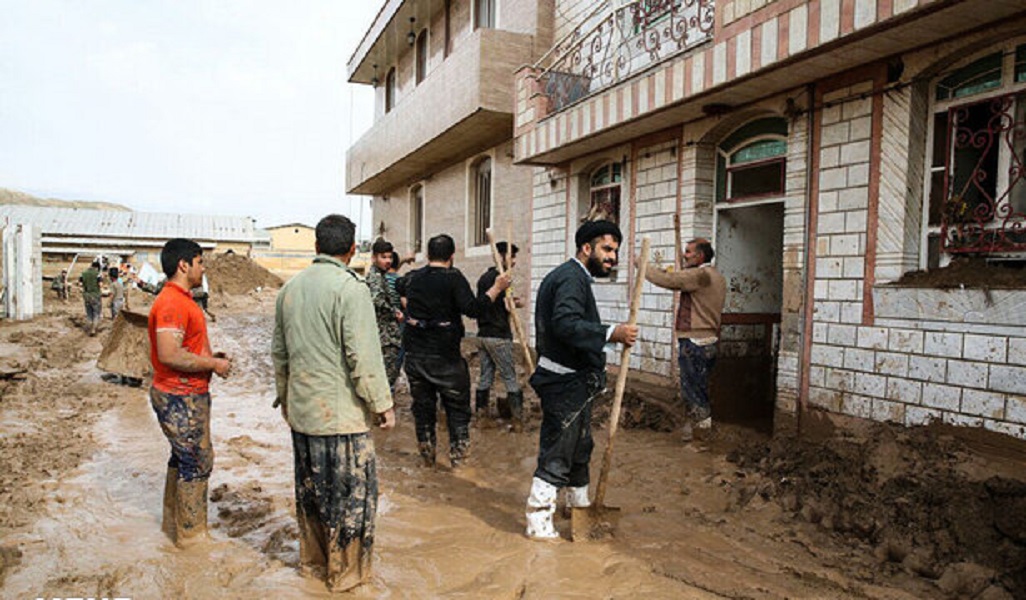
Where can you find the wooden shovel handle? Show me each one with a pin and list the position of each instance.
(621, 376)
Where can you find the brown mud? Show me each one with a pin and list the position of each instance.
(968, 273)
(738, 516)
(232, 273)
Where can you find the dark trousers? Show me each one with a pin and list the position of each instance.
(565, 443)
(696, 365)
(185, 421)
(440, 377)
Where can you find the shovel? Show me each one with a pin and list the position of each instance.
(598, 520)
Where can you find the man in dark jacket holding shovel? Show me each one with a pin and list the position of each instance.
(571, 372)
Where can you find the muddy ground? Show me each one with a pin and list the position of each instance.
(868, 512)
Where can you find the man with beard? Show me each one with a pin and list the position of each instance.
(571, 372)
(437, 297)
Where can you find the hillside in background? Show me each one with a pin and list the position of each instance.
(15, 197)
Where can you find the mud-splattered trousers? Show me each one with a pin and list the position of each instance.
(432, 377)
(565, 443)
(336, 501)
(696, 364)
(185, 421)
(497, 352)
(93, 307)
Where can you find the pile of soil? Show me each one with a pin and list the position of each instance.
(234, 274)
(968, 273)
(915, 496)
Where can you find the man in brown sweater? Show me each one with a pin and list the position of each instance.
(703, 292)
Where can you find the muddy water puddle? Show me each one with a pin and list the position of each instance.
(439, 533)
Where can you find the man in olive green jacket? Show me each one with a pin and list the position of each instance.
(331, 386)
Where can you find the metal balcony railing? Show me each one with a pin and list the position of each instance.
(618, 40)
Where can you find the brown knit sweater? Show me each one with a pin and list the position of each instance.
(703, 293)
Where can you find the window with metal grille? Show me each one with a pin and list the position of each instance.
(976, 187)
(604, 193)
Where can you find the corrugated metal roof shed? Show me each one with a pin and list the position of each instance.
(82, 222)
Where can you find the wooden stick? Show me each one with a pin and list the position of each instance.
(514, 317)
(621, 377)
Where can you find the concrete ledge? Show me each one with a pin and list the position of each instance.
(984, 307)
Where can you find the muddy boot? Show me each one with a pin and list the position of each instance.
(541, 505)
(92, 328)
(459, 447)
(427, 453)
(191, 513)
(516, 409)
(576, 497)
(481, 416)
(167, 524)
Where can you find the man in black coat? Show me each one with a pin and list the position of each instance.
(437, 297)
(571, 372)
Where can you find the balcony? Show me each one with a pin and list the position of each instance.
(463, 107)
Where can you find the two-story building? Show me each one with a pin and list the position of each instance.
(439, 156)
(829, 148)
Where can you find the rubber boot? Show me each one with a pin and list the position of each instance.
(516, 407)
(191, 513)
(427, 453)
(576, 497)
(167, 524)
(481, 400)
(459, 447)
(541, 505)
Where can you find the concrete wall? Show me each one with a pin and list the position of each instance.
(292, 237)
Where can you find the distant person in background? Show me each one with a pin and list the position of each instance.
(60, 285)
(90, 280)
(117, 293)
(180, 395)
(496, 341)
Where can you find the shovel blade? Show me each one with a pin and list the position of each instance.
(594, 522)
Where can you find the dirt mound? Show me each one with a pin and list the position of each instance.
(906, 493)
(126, 350)
(235, 274)
(970, 273)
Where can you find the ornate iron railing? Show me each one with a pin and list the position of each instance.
(985, 178)
(614, 43)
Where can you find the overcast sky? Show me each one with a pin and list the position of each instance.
(236, 107)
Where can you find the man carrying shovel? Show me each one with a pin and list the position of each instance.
(571, 372)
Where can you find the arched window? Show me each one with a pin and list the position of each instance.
(751, 162)
(422, 55)
(484, 14)
(417, 218)
(390, 90)
(604, 193)
(481, 201)
(977, 182)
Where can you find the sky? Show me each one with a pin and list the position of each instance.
(226, 107)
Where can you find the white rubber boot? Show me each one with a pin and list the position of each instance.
(541, 505)
(577, 497)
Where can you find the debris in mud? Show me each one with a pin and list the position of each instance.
(241, 511)
(234, 274)
(902, 492)
(10, 557)
(968, 273)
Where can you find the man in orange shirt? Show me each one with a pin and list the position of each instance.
(180, 395)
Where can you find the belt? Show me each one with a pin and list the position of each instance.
(548, 364)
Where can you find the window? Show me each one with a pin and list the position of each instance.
(417, 218)
(484, 14)
(976, 188)
(448, 29)
(751, 162)
(422, 55)
(604, 193)
(390, 90)
(481, 196)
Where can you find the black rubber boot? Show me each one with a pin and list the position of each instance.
(516, 408)
(481, 400)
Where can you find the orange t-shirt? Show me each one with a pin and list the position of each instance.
(175, 310)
